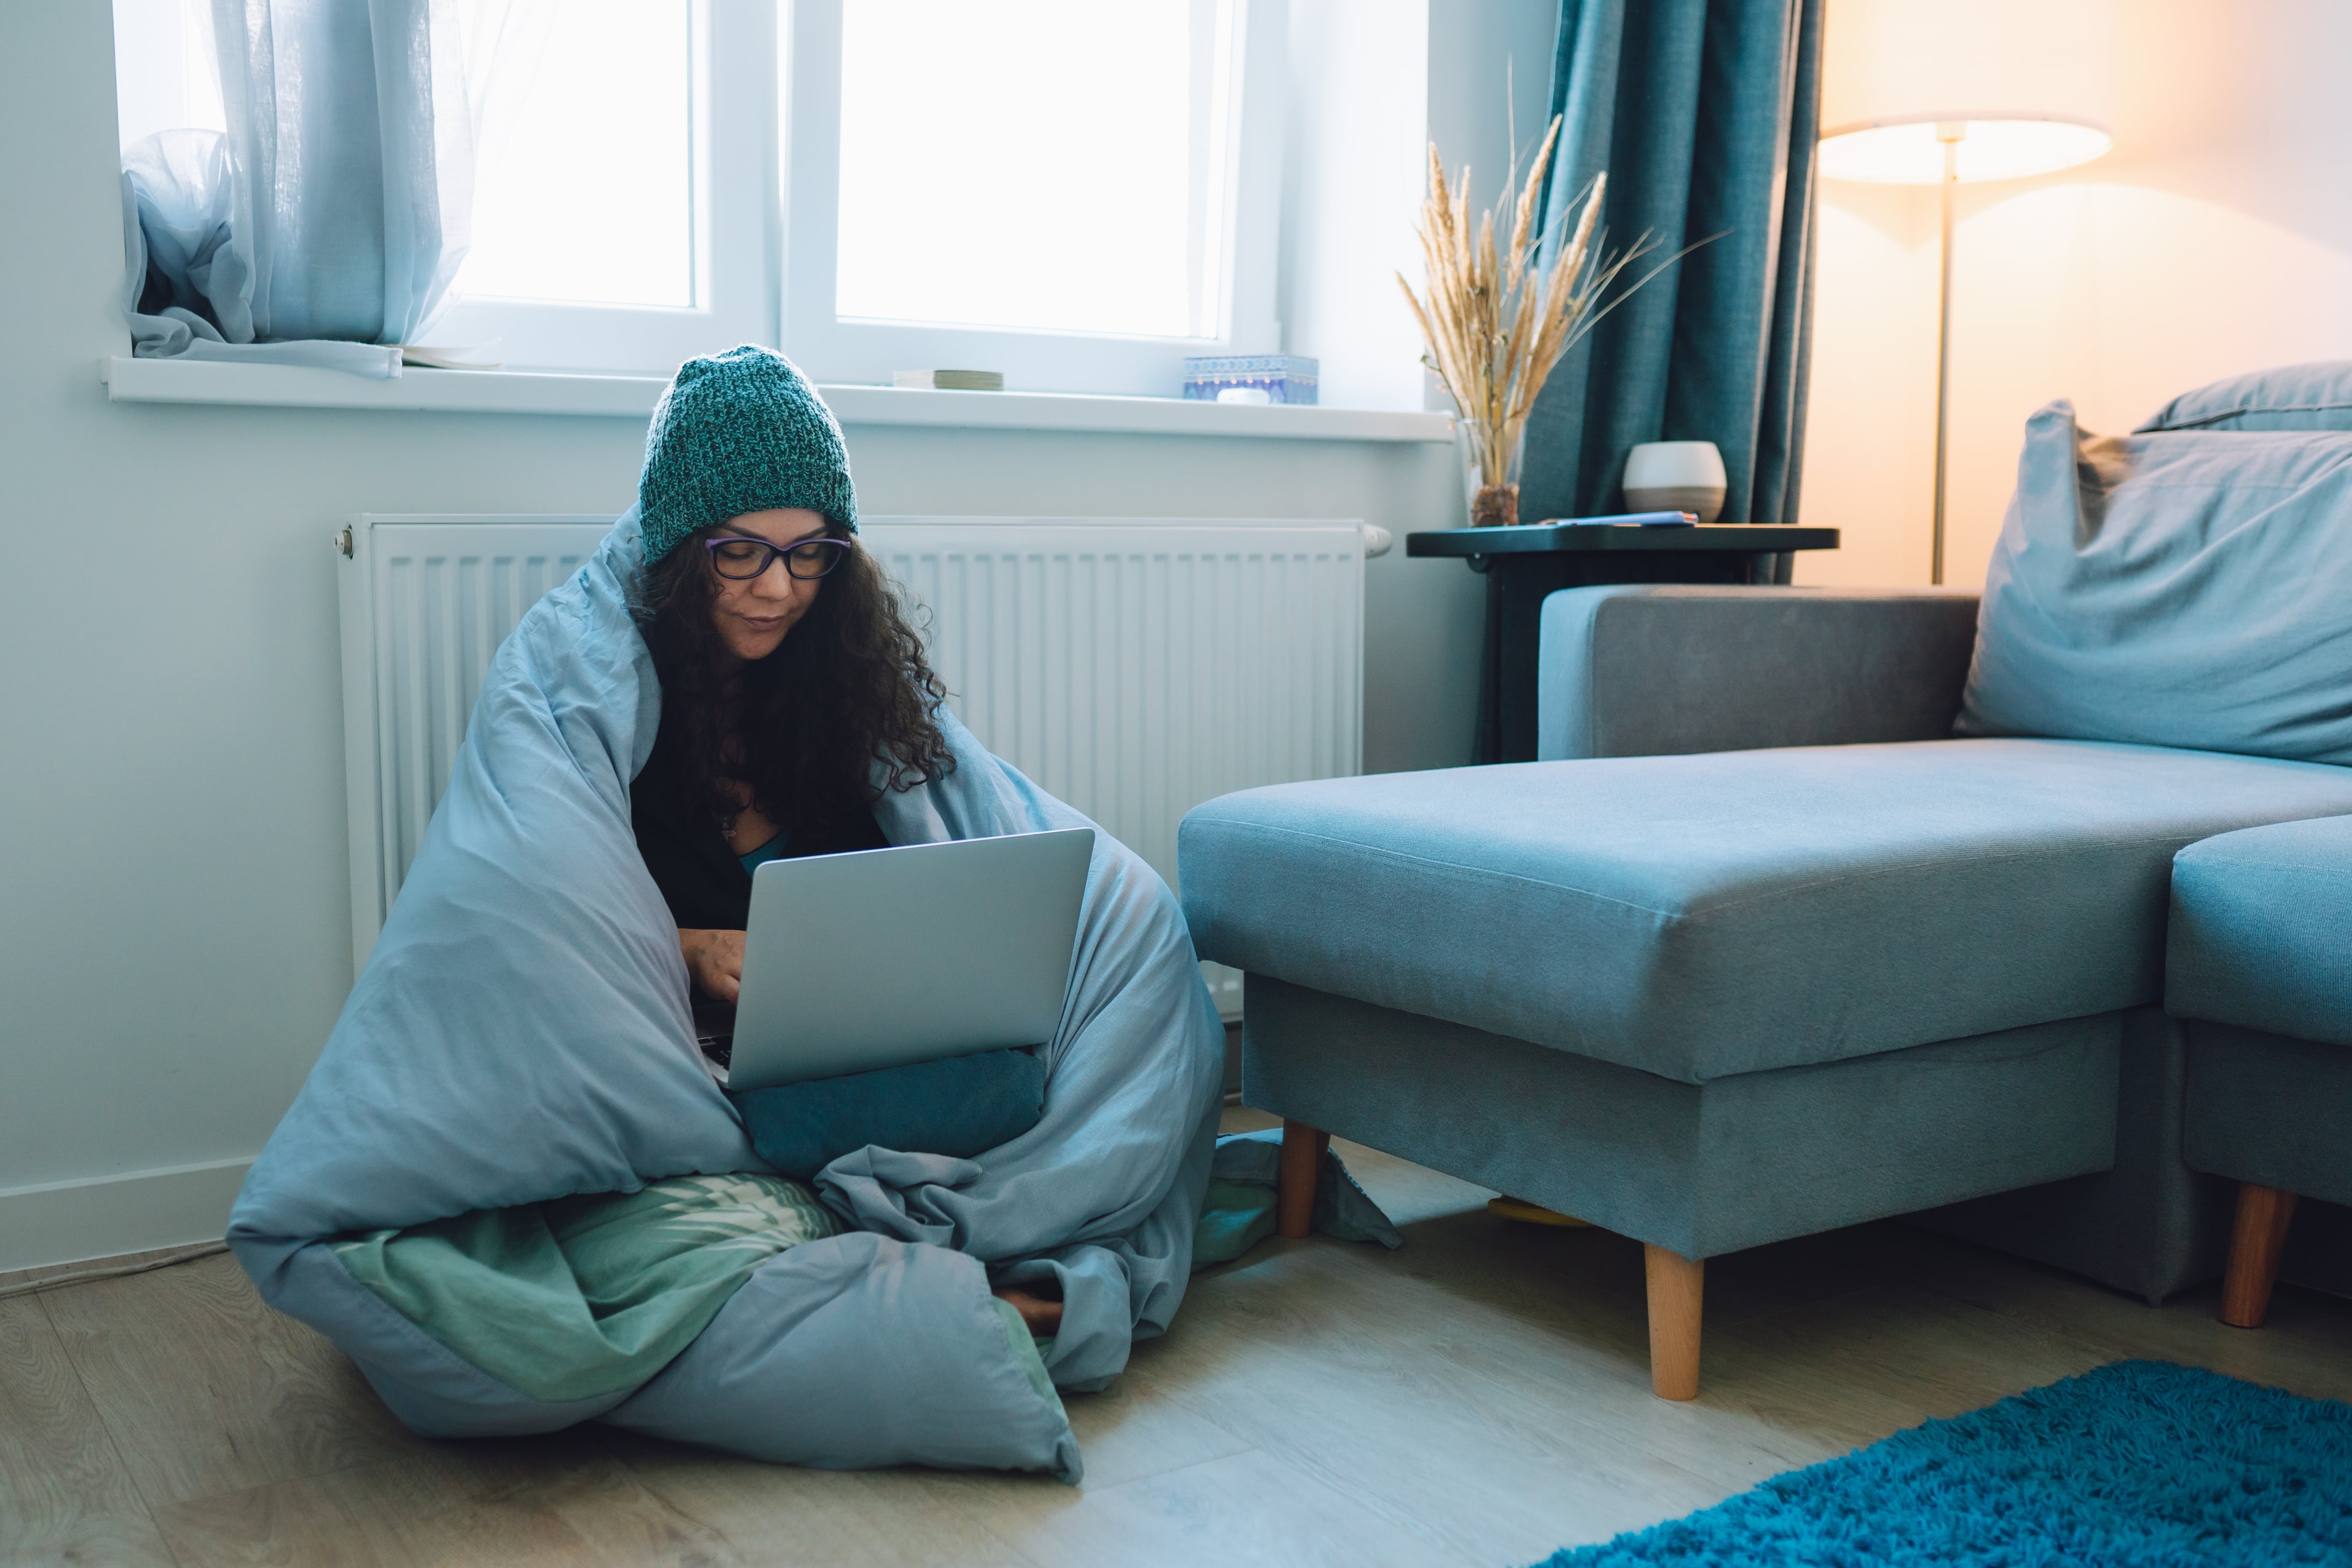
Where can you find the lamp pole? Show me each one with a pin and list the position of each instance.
(1950, 134)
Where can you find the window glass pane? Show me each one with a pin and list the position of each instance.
(165, 74)
(584, 184)
(1041, 164)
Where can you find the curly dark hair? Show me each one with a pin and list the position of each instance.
(849, 686)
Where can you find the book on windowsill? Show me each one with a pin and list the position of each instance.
(950, 380)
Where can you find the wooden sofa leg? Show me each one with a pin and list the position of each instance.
(1294, 1193)
(2255, 1245)
(1676, 1285)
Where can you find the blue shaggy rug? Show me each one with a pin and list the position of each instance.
(2138, 1465)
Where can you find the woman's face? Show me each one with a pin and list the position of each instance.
(752, 615)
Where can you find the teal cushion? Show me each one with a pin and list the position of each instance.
(2171, 590)
(1699, 916)
(2262, 929)
(2316, 396)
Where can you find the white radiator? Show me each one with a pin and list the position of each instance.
(1133, 668)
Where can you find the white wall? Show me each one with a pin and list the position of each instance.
(173, 920)
(2215, 239)
(1490, 88)
(1357, 115)
(1372, 84)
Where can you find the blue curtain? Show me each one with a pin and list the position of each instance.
(325, 226)
(1704, 114)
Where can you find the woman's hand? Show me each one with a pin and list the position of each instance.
(1042, 1316)
(714, 961)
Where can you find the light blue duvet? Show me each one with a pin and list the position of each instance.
(521, 1034)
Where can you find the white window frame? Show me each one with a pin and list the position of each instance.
(832, 349)
(734, 204)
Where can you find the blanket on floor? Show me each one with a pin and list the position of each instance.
(521, 1034)
(580, 1296)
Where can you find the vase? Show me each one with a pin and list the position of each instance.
(1492, 503)
(1495, 506)
(1675, 476)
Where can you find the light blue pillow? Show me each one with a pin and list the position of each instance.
(2181, 589)
(2316, 396)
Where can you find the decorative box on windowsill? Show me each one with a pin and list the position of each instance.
(1283, 378)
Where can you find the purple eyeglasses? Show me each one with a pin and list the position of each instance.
(731, 555)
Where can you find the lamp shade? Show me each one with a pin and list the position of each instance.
(2028, 85)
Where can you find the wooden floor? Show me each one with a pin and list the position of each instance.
(1478, 1398)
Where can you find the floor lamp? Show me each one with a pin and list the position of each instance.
(1919, 93)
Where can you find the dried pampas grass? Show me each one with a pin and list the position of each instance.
(1496, 321)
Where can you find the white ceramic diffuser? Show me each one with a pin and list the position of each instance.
(1675, 475)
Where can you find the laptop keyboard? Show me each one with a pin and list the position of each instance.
(714, 1029)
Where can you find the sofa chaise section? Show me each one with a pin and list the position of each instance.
(1705, 915)
(2260, 966)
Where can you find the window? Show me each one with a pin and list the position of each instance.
(1116, 229)
(584, 183)
(163, 71)
(1073, 192)
(621, 166)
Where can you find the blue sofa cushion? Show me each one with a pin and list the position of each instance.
(2316, 396)
(2173, 590)
(1699, 916)
(2262, 929)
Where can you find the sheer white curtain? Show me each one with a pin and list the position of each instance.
(325, 224)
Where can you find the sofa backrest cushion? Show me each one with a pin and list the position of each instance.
(2316, 396)
(2182, 589)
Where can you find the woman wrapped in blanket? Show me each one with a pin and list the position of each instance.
(787, 670)
(508, 1190)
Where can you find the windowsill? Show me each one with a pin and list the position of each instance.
(132, 380)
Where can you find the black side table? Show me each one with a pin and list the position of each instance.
(1525, 562)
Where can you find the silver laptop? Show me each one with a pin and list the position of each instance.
(884, 957)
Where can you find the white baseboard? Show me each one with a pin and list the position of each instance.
(106, 1217)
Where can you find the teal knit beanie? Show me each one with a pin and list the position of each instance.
(736, 433)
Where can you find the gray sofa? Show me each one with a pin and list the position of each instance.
(1827, 907)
